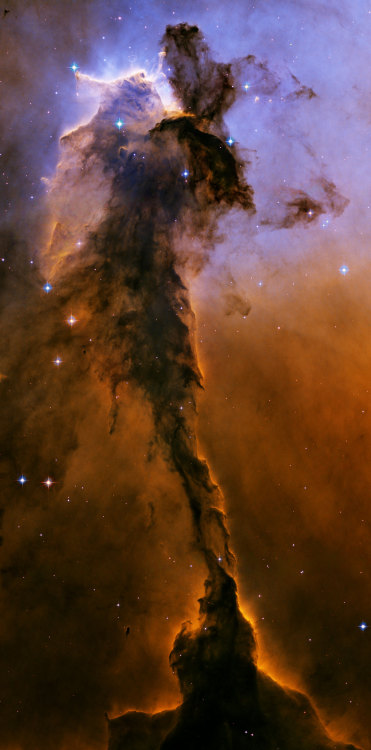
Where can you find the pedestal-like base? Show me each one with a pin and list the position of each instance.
(271, 718)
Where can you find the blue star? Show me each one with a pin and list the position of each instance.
(119, 123)
(230, 141)
(22, 480)
(344, 270)
(185, 174)
(363, 626)
(74, 67)
(47, 287)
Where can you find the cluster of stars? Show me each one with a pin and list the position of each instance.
(71, 320)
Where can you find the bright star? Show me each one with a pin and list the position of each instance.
(71, 320)
(48, 482)
(246, 86)
(363, 626)
(119, 123)
(47, 287)
(22, 480)
(74, 67)
(344, 270)
(185, 174)
(230, 141)
(57, 361)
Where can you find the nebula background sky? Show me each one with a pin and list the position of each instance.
(99, 571)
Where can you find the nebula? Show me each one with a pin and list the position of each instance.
(181, 171)
(147, 329)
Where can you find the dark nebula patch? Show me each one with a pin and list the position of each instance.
(302, 208)
(305, 92)
(204, 87)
